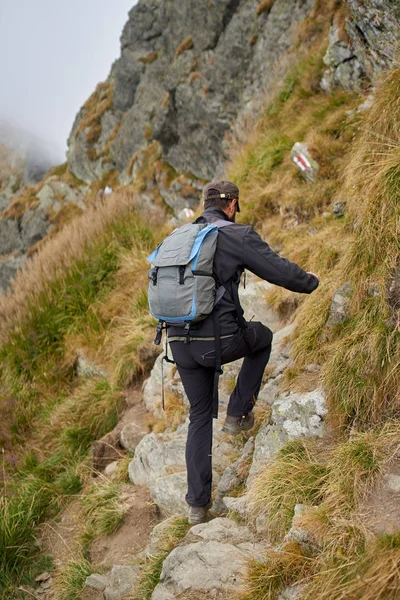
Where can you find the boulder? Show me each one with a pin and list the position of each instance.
(296, 533)
(338, 312)
(373, 29)
(234, 475)
(280, 353)
(34, 226)
(130, 436)
(10, 237)
(222, 530)
(169, 494)
(339, 208)
(157, 535)
(293, 592)
(122, 580)
(294, 415)
(56, 193)
(237, 505)
(202, 566)
(344, 68)
(98, 582)
(155, 455)
(9, 266)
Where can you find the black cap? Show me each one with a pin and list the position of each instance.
(226, 190)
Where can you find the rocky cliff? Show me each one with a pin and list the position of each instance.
(187, 75)
(186, 72)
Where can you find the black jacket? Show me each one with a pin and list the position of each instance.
(239, 247)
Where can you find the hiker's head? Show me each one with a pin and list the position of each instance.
(223, 194)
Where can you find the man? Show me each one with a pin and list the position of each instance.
(239, 247)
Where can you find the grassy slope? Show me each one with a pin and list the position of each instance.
(86, 289)
(359, 155)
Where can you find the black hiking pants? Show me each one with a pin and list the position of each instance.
(195, 362)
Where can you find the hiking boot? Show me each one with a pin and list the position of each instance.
(234, 425)
(197, 514)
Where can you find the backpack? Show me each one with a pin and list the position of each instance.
(182, 288)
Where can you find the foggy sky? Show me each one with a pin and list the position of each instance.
(52, 55)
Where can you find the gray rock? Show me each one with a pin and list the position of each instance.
(366, 105)
(157, 535)
(34, 226)
(98, 582)
(296, 533)
(56, 193)
(374, 32)
(237, 505)
(344, 68)
(86, 369)
(10, 237)
(293, 592)
(393, 482)
(130, 436)
(122, 581)
(182, 194)
(111, 469)
(204, 566)
(269, 392)
(313, 368)
(4, 201)
(269, 440)
(302, 158)
(294, 415)
(222, 530)
(253, 300)
(161, 593)
(9, 266)
(300, 414)
(169, 494)
(280, 354)
(338, 312)
(155, 455)
(234, 475)
(339, 208)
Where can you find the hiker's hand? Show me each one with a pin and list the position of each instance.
(315, 275)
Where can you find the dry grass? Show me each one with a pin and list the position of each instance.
(58, 254)
(173, 415)
(281, 567)
(194, 75)
(94, 108)
(264, 6)
(348, 561)
(149, 58)
(187, 44)
(295, 476)
(361, 369)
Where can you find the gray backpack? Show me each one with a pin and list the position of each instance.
(182, 288)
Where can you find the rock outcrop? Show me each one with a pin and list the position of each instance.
(173, 83)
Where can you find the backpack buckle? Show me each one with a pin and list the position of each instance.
(187, 333)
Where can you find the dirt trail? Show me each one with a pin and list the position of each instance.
(132, 537)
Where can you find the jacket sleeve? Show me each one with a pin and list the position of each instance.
(264, 262)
